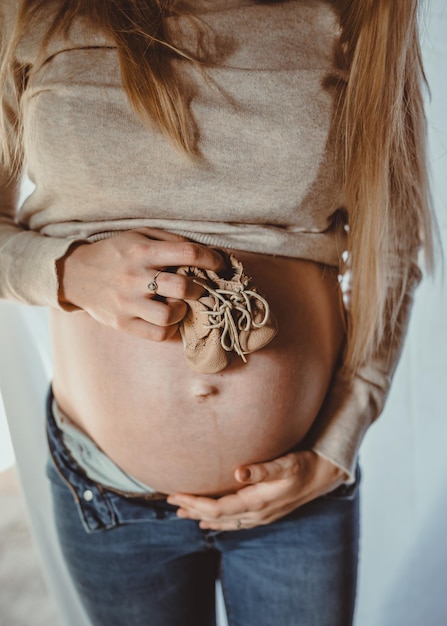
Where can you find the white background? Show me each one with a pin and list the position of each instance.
(403, 561)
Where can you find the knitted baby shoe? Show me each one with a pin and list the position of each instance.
(232, 317)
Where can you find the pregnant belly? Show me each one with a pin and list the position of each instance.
(177, 430)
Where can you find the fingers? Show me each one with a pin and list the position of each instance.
(246, 521)
(175, 286)
(289, 482)
(252, 506)
(163, 313)
(210, 508)
(252, 502)
(177, 253)
(280, 468)
(109, 280)
(154, 319)
(151, 332)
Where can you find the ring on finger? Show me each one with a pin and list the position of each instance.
(153, 285)
(238, 524)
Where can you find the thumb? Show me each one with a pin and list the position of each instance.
(279, 468)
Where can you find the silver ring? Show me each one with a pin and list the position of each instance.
(239, 524)
(153, 285)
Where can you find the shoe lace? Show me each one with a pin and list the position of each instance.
(233, 312)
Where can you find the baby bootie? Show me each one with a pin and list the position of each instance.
(231, 318)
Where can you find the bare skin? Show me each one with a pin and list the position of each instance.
(121, 376)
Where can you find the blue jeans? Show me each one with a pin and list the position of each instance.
(135, 563)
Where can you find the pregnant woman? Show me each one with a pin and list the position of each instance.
(204, 171)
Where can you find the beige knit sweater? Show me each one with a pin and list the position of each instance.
(267, 181)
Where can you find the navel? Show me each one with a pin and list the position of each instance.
(202, 390)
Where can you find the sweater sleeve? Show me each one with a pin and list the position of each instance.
(28, 260)
(354, 401)
(28, 270)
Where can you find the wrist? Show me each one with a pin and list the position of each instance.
(66, 269)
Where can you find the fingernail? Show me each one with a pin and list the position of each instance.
(244, 474)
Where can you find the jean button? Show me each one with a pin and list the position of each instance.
(88, 495)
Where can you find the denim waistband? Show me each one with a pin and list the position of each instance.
(94, 500)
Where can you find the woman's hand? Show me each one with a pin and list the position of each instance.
(109, 280)
(273, 489)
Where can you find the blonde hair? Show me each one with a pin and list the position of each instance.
(143, 48)
(382, 144)
(381, 134)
